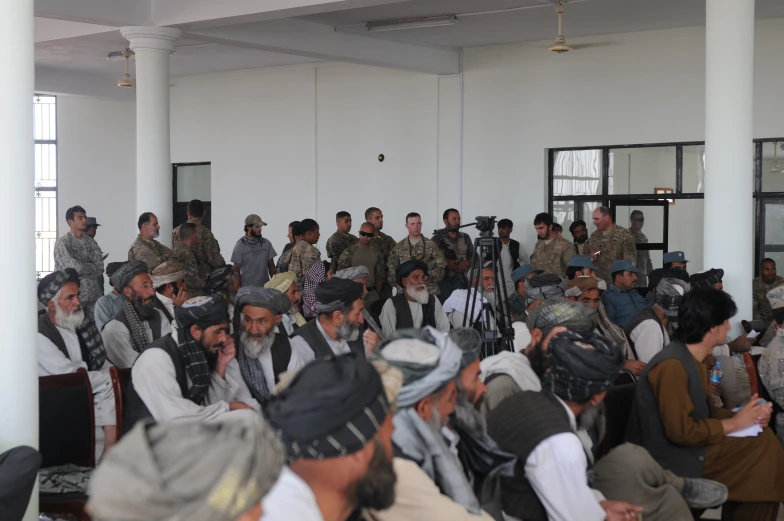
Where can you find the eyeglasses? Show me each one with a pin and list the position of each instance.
(366, 234)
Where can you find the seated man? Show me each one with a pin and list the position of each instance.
(168, 279)
(712, 278)
(335, 419)
(372, 333)
(107, 306)
(580, 266)
(262, 353)
(673, 418)
(138, 322)
(414, 307)
(484, 306)
(621, 300)
(237, 463)
(431, 484)
(552, 479)
(517, 299)
(336, 329)
(187, 379)
(65, 343)
(542, 287)
(771, 369)
(286, 282)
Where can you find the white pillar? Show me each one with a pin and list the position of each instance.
(729, 73)
(152, 46)
(19, 367)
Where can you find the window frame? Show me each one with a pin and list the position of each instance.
(37, 189)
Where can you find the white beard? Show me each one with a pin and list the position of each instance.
(254, 347)
(419, 295)
(293, 310)
(68, 321)
(348, 332)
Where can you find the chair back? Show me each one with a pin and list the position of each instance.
(618, 406)
(66, 420)
(120, 379)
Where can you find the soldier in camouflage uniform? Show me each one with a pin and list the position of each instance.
(207, 249)
(418, 247)
(364, 253)
(145, 248)
(552, 253)
(609, 243)
(79, 251)
(384, 242)
(183, 254)
(458, 251)
(304, 253)
(643, 256)
(760, 287)
(341, 239)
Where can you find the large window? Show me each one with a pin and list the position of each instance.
(45, 189)
(623, 177)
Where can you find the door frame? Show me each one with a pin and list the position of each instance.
(615, 203)
(763, 247)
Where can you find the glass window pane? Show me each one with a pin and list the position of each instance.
(563, 214)
(641, 170)
(777, 256)
(686, 231)
(193, 182)
(694, 169)
(588, 208)
(577, 172)
(45, 231)
(774, 217)
(773, 167)
(45, 165)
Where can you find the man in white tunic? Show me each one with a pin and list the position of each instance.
(414, 307)
(138, 322)
(188, 379)
(66, 343)
(286, 282)
(262, 353)
(168, 279)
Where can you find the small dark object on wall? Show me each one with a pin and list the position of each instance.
(381, 158)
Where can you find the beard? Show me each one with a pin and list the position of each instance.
(348, 331)
(255, 346)
(468, 417)
(254, 234)
(211, 353)
(156, 234)
(67, 320)
(376, 489)
(538, 360)
(145, 310)
(580, 239)
(418, 293)
(294, 309)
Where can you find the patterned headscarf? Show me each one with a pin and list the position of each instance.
(125, 274)
(706, 279)
(669, 294)
(354, 273)
(54, 282)
(316, 274)
(544, 286)
(282, 281)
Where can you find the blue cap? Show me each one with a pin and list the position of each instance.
(522, 272)
(623, 265)
(581, 261)
(674, 256)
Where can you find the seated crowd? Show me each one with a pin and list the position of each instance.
(363, 387)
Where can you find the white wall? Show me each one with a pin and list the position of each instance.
(97, 168)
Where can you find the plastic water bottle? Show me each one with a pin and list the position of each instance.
(715, 375)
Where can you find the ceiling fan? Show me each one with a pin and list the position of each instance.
(560, 46)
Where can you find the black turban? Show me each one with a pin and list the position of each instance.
(112, 267)
(707, 279)
(407, 268)
(52, 283)
(203, 312)
(218, 279)
(333, 407)
(335, 294)
(469, 341)
(581, 365)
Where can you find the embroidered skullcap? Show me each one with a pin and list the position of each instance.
(52, 283)
(407, 268)
(282, 281)
(203, 312)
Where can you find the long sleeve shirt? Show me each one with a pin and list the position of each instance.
(84, 255)
(118, 344)
(649, 338)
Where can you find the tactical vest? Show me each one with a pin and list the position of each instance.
(405, 320)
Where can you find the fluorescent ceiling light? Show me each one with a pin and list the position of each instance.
(411, 23)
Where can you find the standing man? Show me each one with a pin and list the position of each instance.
(458, 252)
(637, 221)
(552, 253)
(386, 243)
(207, 249)
(760, 287)
(285, 256)
(304, 253)
(512, 253)
(579, 233)
(253, 255)
(365, 253)
(145, 248)
(341, 239)
(184, 254)
(79, 251)
(608, 243)
(92, 227)
(417, 247)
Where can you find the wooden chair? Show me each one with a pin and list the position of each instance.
(120, 379)
(67, 434)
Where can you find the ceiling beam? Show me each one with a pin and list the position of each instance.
(115, 13)
(57, 81)
(302, 38)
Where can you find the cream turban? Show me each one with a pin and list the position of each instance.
(281, 281)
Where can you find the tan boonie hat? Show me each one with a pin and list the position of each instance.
(168, 272)
(254, 220)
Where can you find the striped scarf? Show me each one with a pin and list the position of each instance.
(196, 366)
(139, 338)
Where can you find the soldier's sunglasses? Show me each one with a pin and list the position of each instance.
(366, 234)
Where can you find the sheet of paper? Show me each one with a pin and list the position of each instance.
(749, 432)
(753, 334)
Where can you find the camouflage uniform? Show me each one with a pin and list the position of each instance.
(385, 245)
(427, 251)
(194, 282)
(460, 248)
(151, 252)
(84, 255)
(303, 255)
(554, 257)
(337, 243)
(284, 259)
(643, 260)
(617, 244)
(207, 249)
(346, 259)
(762, 309)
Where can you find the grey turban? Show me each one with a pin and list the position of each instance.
(54, 282)
(276, 302)
(125, 274)
(469, 341)
(193, 471)
(544, 286)
(559, 312)
(335, 294)
(357, 272)
(581, 365)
